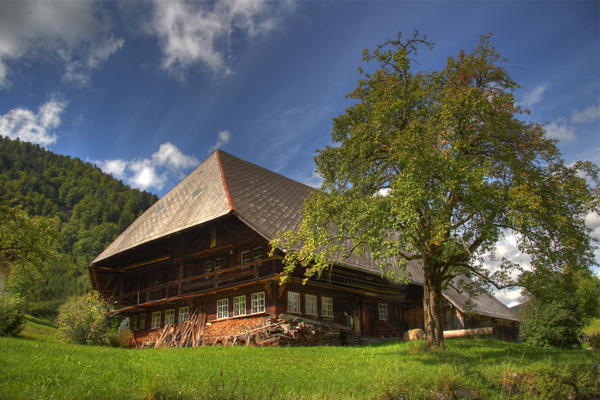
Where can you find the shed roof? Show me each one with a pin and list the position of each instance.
(267, 202)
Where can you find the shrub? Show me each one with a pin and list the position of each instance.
(594, 340)
(11, 314)
(84, 319)
(556, 323)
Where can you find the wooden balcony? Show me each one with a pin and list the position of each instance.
(201, 284)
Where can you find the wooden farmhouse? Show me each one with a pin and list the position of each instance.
(203, 249)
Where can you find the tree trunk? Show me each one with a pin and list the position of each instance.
(433, 308)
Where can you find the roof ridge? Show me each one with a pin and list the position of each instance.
(225, 186)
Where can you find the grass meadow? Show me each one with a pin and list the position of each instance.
(37, 366)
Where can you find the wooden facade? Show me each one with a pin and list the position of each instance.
(164, 268)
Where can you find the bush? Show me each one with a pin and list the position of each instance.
(556, 323)
(11, 314)
(594, 340)
(84, 319)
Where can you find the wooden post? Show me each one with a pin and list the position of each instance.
(180, 277)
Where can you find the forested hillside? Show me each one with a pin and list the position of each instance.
(93, 209)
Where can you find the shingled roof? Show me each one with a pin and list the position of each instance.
(267, 202)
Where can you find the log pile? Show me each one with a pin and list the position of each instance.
(290, 330)
(261, 331)
(186, 334)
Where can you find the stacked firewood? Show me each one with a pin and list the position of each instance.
(262, 331)
(291, 331)
(186, 334)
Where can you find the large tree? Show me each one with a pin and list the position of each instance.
(27, 248)
(438, 166)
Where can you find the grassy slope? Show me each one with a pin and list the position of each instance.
(594, 326)
(38, 369)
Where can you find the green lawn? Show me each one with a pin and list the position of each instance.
(35, 369)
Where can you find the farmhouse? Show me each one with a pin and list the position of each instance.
(203, 249)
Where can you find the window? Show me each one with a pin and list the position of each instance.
(239, 306)
(257, 253)
(245, 259)
(142, 322)
(208, 267)
(218, 265)
(311, 304)
(258, 302)
(383, 311)
(156, 316)
(222, 308)
(327, 306)
(184, 314)
(133, 323)
(169, 317)
(294, 302)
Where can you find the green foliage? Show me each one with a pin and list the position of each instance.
(27, 246)
(594, 340)
(557, 323)
(84, 319)
(561, 305)
(11, 314)
(87, 207)
(437, 166)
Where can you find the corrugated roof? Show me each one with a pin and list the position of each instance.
(266, 201)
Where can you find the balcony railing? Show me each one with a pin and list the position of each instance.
(223, 278)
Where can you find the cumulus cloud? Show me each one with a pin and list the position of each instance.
(200, 32)
(590, 114)
(166, 164)
(222, 139)
(76, 34)
(170, 156)
(561, 129)
(566, 129)
(534, 96)
(33, 127)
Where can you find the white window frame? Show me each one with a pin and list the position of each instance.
(384, 311)
(258, 302)
(156, 319)
(239, 306)
(222, 308)
(184, 314)
(170, 316)
(310, 304)
(142, 323)
(245, 259)
(327, 307)
(293, 303)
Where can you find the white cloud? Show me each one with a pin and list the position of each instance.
(114, 167)
(590, 114)
(170, 156)
(315, 180)
(166, 164)
(222, 139)
(566, 129)
(145, 175)
(534, 96)
(200, 32)
(33, 127)
(76, 34)
(561, 129)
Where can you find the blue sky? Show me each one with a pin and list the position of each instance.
(147, 90)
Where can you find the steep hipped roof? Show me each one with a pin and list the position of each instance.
(267, 202)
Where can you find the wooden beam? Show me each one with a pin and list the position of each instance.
(468, 332)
